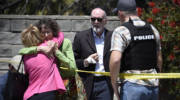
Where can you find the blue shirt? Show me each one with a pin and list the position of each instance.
(99, 43)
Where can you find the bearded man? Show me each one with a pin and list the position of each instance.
(92, 52)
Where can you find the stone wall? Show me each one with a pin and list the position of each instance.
(12, 25)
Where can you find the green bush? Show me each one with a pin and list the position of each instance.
(165, 16)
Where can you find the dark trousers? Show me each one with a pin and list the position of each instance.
(101, 90)
(51, 95)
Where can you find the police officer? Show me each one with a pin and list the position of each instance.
(135, 48)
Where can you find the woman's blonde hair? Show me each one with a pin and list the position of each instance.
(31, 36)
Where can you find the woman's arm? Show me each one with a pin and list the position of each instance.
(66, 56)
(35, 49)
(28, 50)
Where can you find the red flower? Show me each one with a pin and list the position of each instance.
(149, 20)
(151, 4)
(139, 11)
(164, 16)
(155, 11)
(161, 37)
(176, 2)
(162, 22)
(171, 56)
(172, 24)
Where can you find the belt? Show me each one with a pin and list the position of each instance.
(99, 78)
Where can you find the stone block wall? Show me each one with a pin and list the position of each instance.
(12, 25)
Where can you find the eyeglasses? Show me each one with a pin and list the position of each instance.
(98, 19)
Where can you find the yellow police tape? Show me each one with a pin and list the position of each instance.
(8, 61)
(135, 76)
(125, 75)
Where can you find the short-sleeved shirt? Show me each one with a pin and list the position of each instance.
(121, 38)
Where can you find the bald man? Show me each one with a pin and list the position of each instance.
(92, 52)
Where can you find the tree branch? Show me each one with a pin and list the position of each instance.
(10, 5)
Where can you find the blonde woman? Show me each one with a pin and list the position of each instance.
(44, 77)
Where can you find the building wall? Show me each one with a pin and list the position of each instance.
(12, 25)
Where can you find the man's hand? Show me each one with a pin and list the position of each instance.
(92, 59)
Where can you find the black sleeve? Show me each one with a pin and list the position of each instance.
(77, 52)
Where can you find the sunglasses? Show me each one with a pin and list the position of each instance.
(98, 19)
